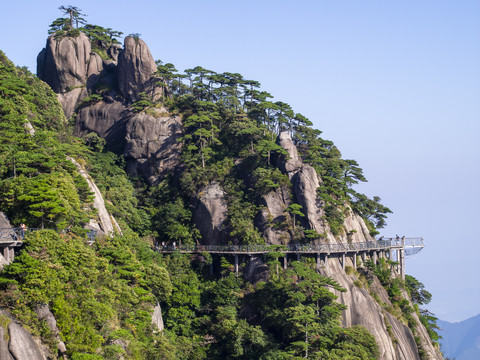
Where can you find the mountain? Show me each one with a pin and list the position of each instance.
(460, 340)
(183, 160)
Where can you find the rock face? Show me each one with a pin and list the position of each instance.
(272, 215)
(107, 119)
(291, 163)
(152, 148)
(305, 184)
(135, 67)
(16, 342)
(211, 213)
(157, 319)
(105, 222)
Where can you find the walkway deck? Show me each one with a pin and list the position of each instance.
(342, 248)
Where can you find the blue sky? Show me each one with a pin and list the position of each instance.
(396, 86)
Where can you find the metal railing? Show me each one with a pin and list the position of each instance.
(15, 236)
(384, 244)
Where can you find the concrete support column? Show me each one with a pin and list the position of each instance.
(355, 261)
(318, 261)
(402, 263)
(285, 261)
(236, 263)
(12, 253)
(390, 254)
(210, 268)
(298, 256)
(343, 261)
(374, 257)
(364, 257)
(6, 253)
(397, 260)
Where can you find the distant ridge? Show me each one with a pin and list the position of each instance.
(461, 340)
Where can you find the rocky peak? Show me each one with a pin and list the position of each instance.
(135, 67)
(64, 62)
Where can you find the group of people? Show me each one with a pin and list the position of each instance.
(164, 246)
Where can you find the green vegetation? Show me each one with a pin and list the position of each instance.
(38, 185)
(97, 294)
(229, 119)
(102, 295)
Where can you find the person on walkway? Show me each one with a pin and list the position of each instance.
(23, 229)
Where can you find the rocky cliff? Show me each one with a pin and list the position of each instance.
(149, 142)
(395, 339)
(98, 94)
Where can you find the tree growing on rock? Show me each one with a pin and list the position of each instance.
(74, 14)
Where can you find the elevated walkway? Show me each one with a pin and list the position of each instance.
(392, 248)
(384, 244)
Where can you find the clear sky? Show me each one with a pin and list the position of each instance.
(395, 84)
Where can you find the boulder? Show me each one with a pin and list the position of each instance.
(256, 270)
(44, 313)
(152, 148)
(211, 213)
(135, 67)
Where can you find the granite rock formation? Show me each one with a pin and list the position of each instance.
(135, 67)
(16, 343)
(211, 213)
(73, 70)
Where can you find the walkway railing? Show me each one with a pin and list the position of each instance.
(16, 235)
(384, 244)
